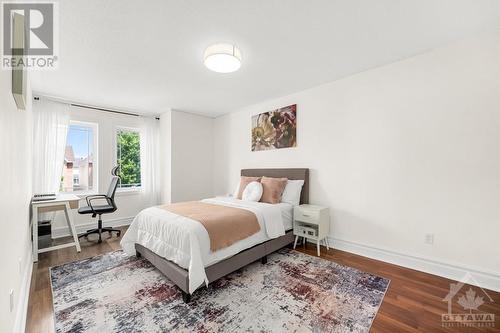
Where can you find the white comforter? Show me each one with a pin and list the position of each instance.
(186, 242)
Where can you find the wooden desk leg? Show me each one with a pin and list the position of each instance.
(295, 243)
(71, 226)
(34, 231)
(317, 245)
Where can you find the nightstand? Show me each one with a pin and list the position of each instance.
(311, 222)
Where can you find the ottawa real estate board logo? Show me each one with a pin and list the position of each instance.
(467, 305)
(29, 35)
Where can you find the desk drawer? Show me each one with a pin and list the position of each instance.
(306, 216)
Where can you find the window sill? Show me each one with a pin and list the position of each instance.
(119, 192)
(81, 195)
(128, 191)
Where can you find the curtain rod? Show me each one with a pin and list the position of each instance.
(105, 110)
(36, 98)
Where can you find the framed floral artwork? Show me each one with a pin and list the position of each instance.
(275, 129)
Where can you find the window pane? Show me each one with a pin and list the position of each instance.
(78, 166)
(128, 156)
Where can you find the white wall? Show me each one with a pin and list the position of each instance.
(128, 203)
(166, 156)
(15, 195)
(192, 156)
(397, 152)
(187, 156)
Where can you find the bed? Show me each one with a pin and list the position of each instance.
(179, 249)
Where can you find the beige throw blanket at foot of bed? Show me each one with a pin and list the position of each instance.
(225, 225)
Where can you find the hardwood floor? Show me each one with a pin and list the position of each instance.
(413, 302)
(40, 315)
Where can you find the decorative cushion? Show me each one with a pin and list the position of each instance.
(273, 189)
(244, 181)
(291, 193)
(253, 192)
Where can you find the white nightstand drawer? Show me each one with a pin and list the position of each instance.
(306, 215)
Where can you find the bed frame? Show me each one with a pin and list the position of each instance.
(179, 275)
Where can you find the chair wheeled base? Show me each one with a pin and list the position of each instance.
(100, 230)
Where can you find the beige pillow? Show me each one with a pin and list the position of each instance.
(244, 181)
(273, 189)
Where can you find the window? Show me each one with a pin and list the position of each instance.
(128, 158)
(80, 164)
(76, 178)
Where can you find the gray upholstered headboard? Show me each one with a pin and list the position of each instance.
(294, 174)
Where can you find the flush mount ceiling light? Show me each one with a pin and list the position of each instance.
(222, 58)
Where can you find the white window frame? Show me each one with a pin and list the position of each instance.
(124, 190)
(95, 180)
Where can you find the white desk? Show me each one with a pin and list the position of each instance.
(64, 202)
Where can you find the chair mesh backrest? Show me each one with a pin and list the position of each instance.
(112, 187)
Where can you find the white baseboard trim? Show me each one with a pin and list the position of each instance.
(81, 228)
(23, 298)
(486, 280)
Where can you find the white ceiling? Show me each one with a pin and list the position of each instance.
(146, 56)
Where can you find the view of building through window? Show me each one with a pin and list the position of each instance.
(78, 168)
(128, 158)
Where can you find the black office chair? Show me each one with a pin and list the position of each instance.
(98, 210)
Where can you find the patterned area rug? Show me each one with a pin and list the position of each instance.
(293, 292)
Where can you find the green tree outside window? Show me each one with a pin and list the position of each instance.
(129, 158)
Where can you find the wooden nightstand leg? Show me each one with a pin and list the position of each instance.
(295, 243)
(317, 245)
(327, 244)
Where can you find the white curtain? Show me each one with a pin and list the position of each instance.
(50, 128)
(150, 160)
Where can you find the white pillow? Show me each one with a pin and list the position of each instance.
(253, 192)
(291, 193)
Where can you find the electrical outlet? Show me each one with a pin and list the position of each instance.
(429, 239)
(11, 298)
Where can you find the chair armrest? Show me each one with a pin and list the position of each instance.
(97, 197)
(94, 196)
